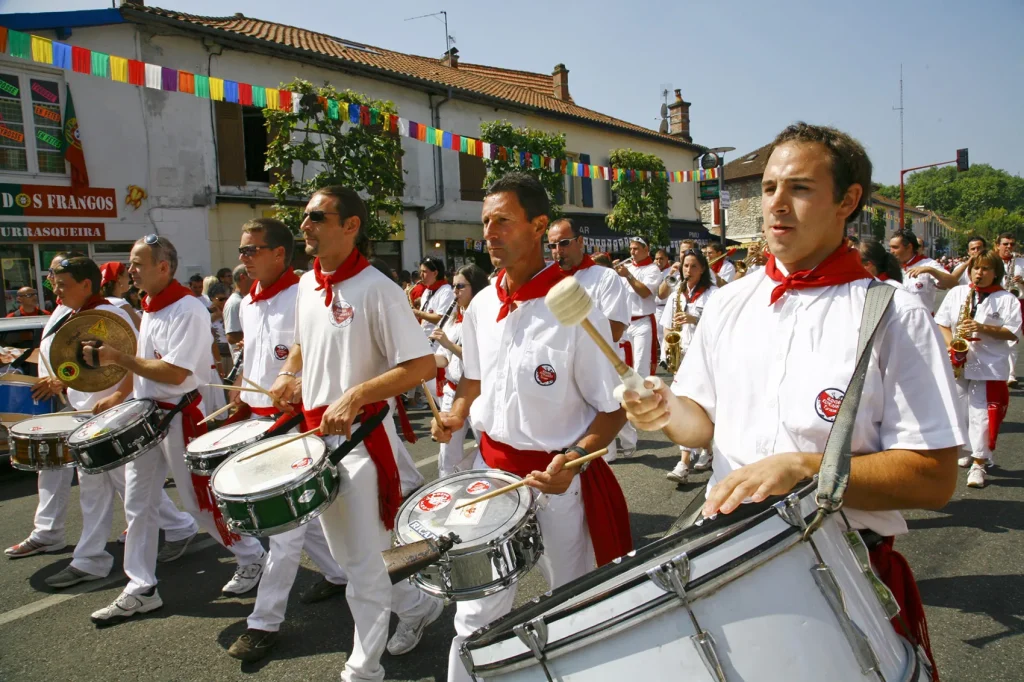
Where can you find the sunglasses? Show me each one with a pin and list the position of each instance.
(27, 295)
(561, 243)
(460, 287)
(151, 239)
(61, 264)
(220, 299)
(250, 251)
(317, 216)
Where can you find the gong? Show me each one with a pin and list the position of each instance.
(66, 357)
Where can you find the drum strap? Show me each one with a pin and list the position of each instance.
(834, 474)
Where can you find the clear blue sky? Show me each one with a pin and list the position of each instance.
(749, 68)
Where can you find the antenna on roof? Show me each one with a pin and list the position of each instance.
(448, 39)
(663, 126)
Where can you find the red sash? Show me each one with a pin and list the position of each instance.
(403, 420)
(389, 486)
(997, 393)
(439, 382)
(655, 348)
(603, 501)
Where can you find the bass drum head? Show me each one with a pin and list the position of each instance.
(48, 425)
(227, 437)
(431, 512)
(112, 421)
(269, 471)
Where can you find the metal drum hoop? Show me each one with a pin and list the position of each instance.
(307, 476)
(115, 433)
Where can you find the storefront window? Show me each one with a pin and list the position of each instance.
(16, 266)
(31, 124)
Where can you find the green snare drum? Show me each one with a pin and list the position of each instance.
(275, 491)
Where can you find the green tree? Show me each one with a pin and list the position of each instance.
(995, 221)
(333, 151)
(878, 224)
(642, 205)
(963, 197)
(536, 142)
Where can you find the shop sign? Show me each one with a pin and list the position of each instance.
(53, 232)
(48, 200)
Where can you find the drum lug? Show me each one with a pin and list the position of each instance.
(789, 510)
(252, 515)
(117, 446)
(833, 594)
(534, 634)
(705, 646)
(882, 591)
(291, 505)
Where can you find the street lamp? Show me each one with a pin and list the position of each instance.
(715, 157)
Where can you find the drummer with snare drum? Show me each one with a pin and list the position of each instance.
(769, 407)
(537, 398)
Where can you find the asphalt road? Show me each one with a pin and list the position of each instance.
(967, 558)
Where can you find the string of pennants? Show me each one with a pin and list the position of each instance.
(133, 72)
(590, 245)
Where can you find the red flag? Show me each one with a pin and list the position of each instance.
(73, 145)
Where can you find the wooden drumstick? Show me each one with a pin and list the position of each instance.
(235, 388)
(286, 441)
(49, 370)
(257, 387)
(519, 484)
(430, 401)
(216, 413)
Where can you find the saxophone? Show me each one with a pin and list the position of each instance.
(958, 347)
(673, 339)
(1008, 282)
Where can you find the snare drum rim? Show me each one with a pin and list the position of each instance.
(152, 407)
(307, 476)
(291, 525)
(203, 454)
(41, 436)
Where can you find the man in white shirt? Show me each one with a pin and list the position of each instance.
(1012, 281)
(905, 246)
(232, 309)
(992, 325)
(357, 344)
(521, 367)
(770, 406)
(174, 344)
(195, 285)
(959, 275)
(664, 264)
(721, 266)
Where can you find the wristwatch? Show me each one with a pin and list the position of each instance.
(582, 453)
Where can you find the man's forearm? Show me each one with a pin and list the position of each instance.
(996, 332)
(689, 424)
(639, 287)
(465, 394)
(397, 380)
(294, 362)
(432, 318)
(664, 289)
(602, 431)
(154, 370)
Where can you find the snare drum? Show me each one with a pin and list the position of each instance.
(206, 453)
(16, 396)
(500, 539)
(741, 597)
(41, 442)
(117, 436)
(277, 491)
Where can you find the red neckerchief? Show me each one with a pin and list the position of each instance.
(696, 295)
(587, 262)
(172, 293)
(537, 287)
(353, 265)
(841, 267)
(93, 302)
(986, 290)
(666, 267)
(436, 285)
(288, 278)
(458, 317)
(111, 272)
(716, 267)
(645, 261)
(883, 277)
(916, 259)
(416, 292)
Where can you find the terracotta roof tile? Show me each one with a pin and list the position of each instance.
(517, 87)
(749, 165)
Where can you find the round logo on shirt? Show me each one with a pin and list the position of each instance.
(341, 313)
(827, 403)
(280, 351)
(544, 375)
(919, 285)
(157, 354)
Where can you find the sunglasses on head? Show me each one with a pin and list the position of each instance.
(317, 216)
(251, 250)
(561, 243)
(61, 264)
(151, 239)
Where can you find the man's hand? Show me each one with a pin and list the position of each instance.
(440, 337)
(554, 480)
(47, 388)
(450, 423)
(920, 270)
(342, 412)
(104, 355)
(968, 328)
(622, 271)
(775, 475)
(684, 318)
(284, 392)
(235, 399)
(112, 400)
(651, 413)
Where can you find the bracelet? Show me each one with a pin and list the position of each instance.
(582, 453)
(293, 375)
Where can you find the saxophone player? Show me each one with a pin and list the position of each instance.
(1013, 268)
(680, 322)
(990, 319)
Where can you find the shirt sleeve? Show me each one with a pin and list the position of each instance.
(616, 297)
(1011, 314)
(696, 378)
(596, 381)
(669, 312)
(444, 298)
(651, 277)
(232, 317)
(945, 315)
(397, 333)
(190, 331)
(470, 351)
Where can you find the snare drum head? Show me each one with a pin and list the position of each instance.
(230, 436)
(270, 470)
(430, 513)
(114, 419)
(49, 425)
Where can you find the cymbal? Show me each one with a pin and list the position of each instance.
(92, 325)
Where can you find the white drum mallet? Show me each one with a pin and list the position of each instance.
(570, 304)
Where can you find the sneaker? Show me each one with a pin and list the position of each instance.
(965, 462)
(1012, 383)
(127, 605)
(408, 634)
(976, 477)
(321, 590)
(173, 549)
(679, 475)
(245, 578)
(704, 461)
(70, 576)
(28, 547)
(253, 645)
(123, 538)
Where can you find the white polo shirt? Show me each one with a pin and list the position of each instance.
(696, 309)
(541, 384)
(779, 392)
(268, 328)
(608, 291)
(367, 330)
(179, 335)
(1015, 268)
(988, 359)
(650, 275)
(453, 371)
(728, 271)
(436, 302)
(926, 286)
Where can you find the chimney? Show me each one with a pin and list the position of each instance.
(560, 82)
(451, 58)
(679, 118)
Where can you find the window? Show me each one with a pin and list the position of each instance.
(31, 124)
(573, 184)
(241, 144)
(472, 173)
(254, 135)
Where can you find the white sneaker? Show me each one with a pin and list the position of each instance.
(704, 461)
(680, 474)
(976, 477)
(965, 462)
(127, 605)
(245, 578)
(408, 634)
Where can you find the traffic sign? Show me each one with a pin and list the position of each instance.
(708, 190)
(725, 198)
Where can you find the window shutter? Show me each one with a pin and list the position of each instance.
(472, 174)
(588, 187)
(230, 143)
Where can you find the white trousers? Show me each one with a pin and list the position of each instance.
(407, 471)
(973, 396)
(452, 456)
(661, 333)
(639, 335)
(96, 495)
(283, 565)
(144, 480)
(568, 554)
(356, 537)
(1014, 350)
(52, 508)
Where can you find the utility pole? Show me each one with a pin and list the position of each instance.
(900, 109)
